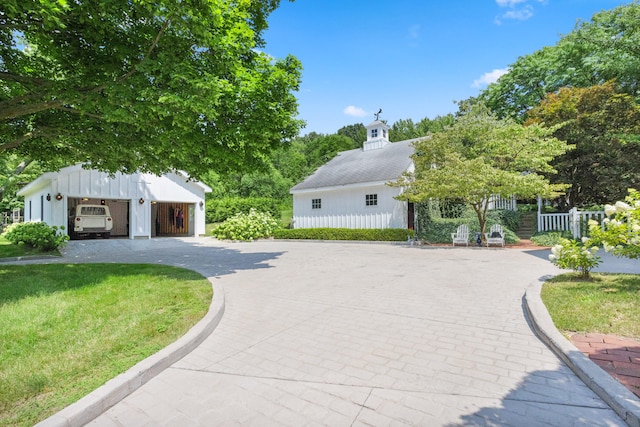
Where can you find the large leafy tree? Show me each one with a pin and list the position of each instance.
(602, 124)
(357, 132)
(404, 129)
(323, 148)
(605, 48)
(481, 156)
(143, 85)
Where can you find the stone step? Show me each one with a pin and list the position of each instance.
(527, 225)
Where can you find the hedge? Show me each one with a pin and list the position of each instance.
(380, 235)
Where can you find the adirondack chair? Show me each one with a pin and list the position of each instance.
(461, 235)
(495, 236)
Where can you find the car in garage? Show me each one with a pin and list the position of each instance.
(90, 221)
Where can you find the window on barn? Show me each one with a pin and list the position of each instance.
(371, 200)
(374, 133)
(316, 203)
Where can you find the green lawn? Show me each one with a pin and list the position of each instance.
(608, 304)
(67, 329)
(9, 250)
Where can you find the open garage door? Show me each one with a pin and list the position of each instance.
(172, 219)
(119, 213)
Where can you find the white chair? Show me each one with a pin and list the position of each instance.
(461, 236)
(495, 236)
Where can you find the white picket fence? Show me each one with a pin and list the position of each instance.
(574, 221)
(497, 202)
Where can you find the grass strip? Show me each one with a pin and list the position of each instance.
(66, 329)
(606, 304)
(11, 250)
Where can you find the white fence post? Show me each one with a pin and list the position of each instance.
(574, 223)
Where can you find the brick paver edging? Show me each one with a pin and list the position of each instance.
(617, 396)
(113, 391)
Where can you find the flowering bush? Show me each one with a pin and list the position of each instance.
(579, 257)
(620, 231)
(38, 235)
(243, 226)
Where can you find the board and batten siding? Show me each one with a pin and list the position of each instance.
(346, 208)
(74, 182)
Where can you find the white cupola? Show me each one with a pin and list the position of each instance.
(377, 134)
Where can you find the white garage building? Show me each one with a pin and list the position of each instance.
(142, 205)
(352, 191)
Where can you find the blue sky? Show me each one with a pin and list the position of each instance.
(412, 58)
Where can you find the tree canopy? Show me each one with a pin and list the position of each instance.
(605, 48)
(601, 123)
(149, 86)
(481, 156)
(404, 129)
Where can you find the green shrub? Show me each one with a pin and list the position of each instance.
(509, 219)
(219, 210)
(37, 235)
(378, 235)
(439, 231)
(570, 254)
(549, 238)
(246, 226)
(433, 227)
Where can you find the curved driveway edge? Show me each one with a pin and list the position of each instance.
(621, 400)
(113, 391)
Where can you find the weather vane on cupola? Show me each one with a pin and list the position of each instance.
(377, 115)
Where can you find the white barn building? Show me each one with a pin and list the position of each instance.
(351, 191)
(141, 205)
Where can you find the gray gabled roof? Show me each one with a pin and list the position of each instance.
(359, 166)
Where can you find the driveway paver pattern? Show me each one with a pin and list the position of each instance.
(351, 334)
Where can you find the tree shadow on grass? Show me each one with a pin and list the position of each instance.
(104, 256)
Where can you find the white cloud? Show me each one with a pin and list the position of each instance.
(509, 3)
(490, 77)
(519, 10)
(520, 14)
(354, 111)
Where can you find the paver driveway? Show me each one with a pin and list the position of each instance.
(347, 334)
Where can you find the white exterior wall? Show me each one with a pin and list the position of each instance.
(345, 208)
(75, 182)
(38, 208)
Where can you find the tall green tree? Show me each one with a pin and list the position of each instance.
(481, 156)
(402, 130)
(143, 85)
(605, 48)
(602, 125)
(320, 150)
(357, 132)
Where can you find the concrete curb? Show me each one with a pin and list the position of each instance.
(30, 258)
(621, 400)
(113, 391)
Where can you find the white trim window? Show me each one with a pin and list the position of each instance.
(374, 133)
(316, 203)
(371, 200)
